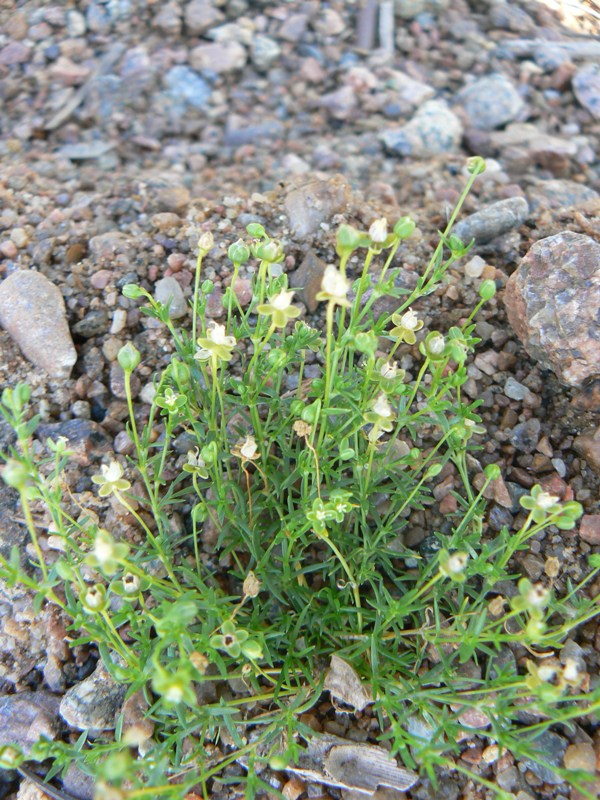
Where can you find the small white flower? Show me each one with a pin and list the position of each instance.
(382, 407)
(111, 472)
(378, 231)
(249, 448)
(389, 371)
(131, 583)
(546, 500)
(570, 671)
(537, 596)
(546, 673)
(457, 562)
(282, 300)
(409, 320)
(436, 345)
(104, 547)
(334, 286)
(174, 693)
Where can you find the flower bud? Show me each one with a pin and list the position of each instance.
(404, 227)
(378, 231)
(238, 252)
(15, 474)
(10, 757)
(133, 291)
(348, 239)
(256, 230)
(492, 472)
(128, 357)
(270, 251)
(476, 165)
(487, 289)
(205, 243)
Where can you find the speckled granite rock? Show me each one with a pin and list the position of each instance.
(552, 302)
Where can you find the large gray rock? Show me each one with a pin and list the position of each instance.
(433, 130)
(493, 221)
(314, 202)
(490, 102)
(94, 702)
(26, 716)
(32, 311)
(552, 302)
(586, 87)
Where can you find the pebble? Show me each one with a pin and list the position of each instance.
(515, 390)
(15, 53)
(307, 279)
(474, 267)
(219, 57)
(559, 193)
(293, 27)
(171, 200)
(314, 202)
(490, 102)
(264, 52)
(95, 323)
(168, 291)
(552, 303)
(493, 221)
(588, 445)
(32, 311)
(589, 529)
(106, 246)
(93, 703)
(525, 436)
(186, 89)
(586, 88)
(84, 150)
(200, 15)
(552, 748)
(408, 90)
(26, 716)
(433, 130)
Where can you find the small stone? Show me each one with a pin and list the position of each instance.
(95, 323)
(82, 436)
(264, 52)
(474, 267)
(81, 151)
(219, 57)
(581, 756)
(490, 102)
(293, 27)
(515, 390)
(185, 88)
(119, 321)
(552, 748)
(589, 529)
(433, 130)
(168, 19)
(8, 249)
(200, 15)
(408, 9)
(32, 311)
(307, 279)
(552, 303)
(26, 716)
(243, 291)
(172, 199)
(314, 202)
(493, 221)
(588, 445)
(68, 73)
(94, 702)
(15, 53)
(340, 103)
(330, 23)
(559, 193)
(586, 87)
(106, 246)
(169, 292)
(75, 23)
(525, 435)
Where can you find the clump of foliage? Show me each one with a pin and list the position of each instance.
(306, 485)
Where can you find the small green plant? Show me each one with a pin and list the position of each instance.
(271, 486)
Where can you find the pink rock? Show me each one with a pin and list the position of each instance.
(589, 529)
(14, 53)
(102, 278)
(552, 303)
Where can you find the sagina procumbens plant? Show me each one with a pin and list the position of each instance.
(260, 566)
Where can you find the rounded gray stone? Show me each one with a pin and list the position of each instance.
(490, 102)
(493, 221)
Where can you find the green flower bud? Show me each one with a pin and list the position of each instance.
(456, 245)
(133, 291)
(487, 289)
(252, 650)
(278, 762)
(492, 472)
(238, 252)
(15, 474)
(476, 165)
(128, 357)
(433, 471)
(349, 239)
(404, 227)
(256, 230)
(10, 757)
(270, 251)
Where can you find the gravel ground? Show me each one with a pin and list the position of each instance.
(129, 127)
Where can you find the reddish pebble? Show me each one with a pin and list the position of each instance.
(448, 504)
(153, 273)
(102, 278)
(8, 249)
(243, 291)
(589, 529)
(176, 262)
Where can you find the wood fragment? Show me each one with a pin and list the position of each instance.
(365, 29)
(386, 27)
(345, 685)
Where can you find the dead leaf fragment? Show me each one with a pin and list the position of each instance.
(345, 685)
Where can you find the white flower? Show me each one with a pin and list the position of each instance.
(389, 371)
(334, 286)
(456, 563)
(131, 583)
(216, 343)
(104, 547)
(381, 407)
(282, 300)
(537, 596)
(436, 344)
(378, 231)
(409, 320)
(570, 671)
(249, 448)
(545, 500)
